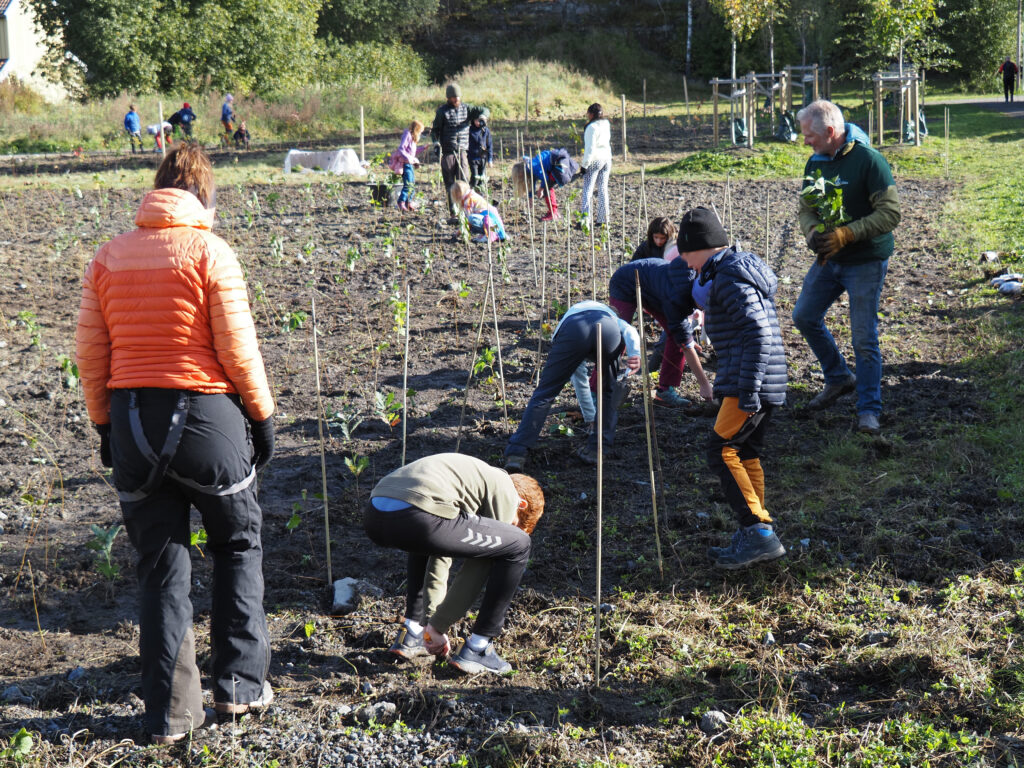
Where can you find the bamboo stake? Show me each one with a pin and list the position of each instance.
(599, 426)
(472, 364)
(362, 136)
(568, 262)
(320, 429)
(527, 111)
(648, 405)
(767, 220)
(624, 213)
(160, 130)
(643, 191)
(945, 120)
(497, 335)
(593, 262)
(405, 376)
(543, 300)
(625, 156)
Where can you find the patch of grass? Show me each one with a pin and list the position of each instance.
(775, 161)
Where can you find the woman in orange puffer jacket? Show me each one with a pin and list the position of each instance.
(174, 382)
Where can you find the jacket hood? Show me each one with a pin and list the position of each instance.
(743, 267)
(164, 208)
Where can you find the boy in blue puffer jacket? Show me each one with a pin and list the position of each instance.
(737, 291)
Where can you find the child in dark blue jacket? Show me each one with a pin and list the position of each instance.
(481, 152)
(737, 291)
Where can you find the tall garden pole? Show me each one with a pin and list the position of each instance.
(646, 374)
(714, 111)
(593, 263)
(543, 297)
(568, 262)
(526, 110)
(686, 98)
(625, 155)
(320, 429)
(405, 376)
(362, 136)
(497, 335)
(767, 219)
(472, 363)
(945, 121)
(599, 426)
(645, 98)
(160, 130)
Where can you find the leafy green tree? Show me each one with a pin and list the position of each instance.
(743, 18)
(980, 33)
(365, 21)
(903, 32)
(104, 47)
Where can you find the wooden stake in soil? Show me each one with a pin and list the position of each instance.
(648, 416)
(568, 260)
(497, 335)
(526, 111)
(625, 157)
(160, 130)
(405, 377)
(323, 452)
(945, 121)
(362, 137)
(643, 195)
(598, 425)
(543, 300)
(593, 263)
(767, 222)
(472, 364)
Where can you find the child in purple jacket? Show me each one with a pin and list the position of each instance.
(402, 161)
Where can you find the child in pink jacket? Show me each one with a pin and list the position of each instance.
(403, 160)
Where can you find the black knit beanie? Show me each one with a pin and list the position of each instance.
(700, 229)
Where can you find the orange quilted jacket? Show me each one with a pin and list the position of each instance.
(166, 306)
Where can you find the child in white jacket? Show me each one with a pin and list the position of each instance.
(597, 163)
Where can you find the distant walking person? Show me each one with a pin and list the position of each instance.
(174, 383)
(227, 117)
(1009, 71)
(597, 164)
(851, 259)
(133, 127)
(450, 133)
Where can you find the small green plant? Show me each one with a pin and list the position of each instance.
(298, 507)
(293, 320)
(348, 420)
(102, 543)
(356, 465)
(826, 197)
(70, 370)
(387, 408)
(399, 308)
(308, 629)
(27, 318)
(352, 255)
(198, 539)
(18, 748)
(485, 362)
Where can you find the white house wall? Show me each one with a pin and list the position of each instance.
(26, 49)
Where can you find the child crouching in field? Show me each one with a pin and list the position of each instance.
(548, 169)
(402, 162)
(484, 220)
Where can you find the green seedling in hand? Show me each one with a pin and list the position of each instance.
(825, 196)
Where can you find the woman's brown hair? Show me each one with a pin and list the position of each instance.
(187, 167)
(661, 225)
(530, 492)
(595, 112)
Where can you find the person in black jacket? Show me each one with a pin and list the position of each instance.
(659, 232)
(450, 134)
(737, 291)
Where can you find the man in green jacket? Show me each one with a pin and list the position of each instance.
(852, 258)
(451, 505)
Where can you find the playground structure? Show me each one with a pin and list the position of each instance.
(777, 88)
(908, 88)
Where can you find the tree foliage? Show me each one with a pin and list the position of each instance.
(104, 47)
(364, 21)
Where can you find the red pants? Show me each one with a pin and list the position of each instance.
(672, 363)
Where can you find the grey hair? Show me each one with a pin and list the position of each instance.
(822, 114)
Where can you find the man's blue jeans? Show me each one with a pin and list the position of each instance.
(822, 286)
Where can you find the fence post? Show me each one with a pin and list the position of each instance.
(625, 155)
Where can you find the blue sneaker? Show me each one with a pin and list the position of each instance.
(408, 646)
(753, 544)
(473, 662)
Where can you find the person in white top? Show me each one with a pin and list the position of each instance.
(597, 164)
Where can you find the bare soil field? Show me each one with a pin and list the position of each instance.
(673, 644)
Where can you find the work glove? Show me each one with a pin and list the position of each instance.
(437, 150)
(104, 432)
(833, 242)
(262, 441)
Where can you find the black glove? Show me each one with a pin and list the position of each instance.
(104, 432)
(437, 151)
(262, 441)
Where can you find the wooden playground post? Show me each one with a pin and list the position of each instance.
(714, 119)
(625, 156)
(788, 71)
(815, 90)
(526, 128)
(751, 110)
(917, 110)
(877, 81)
